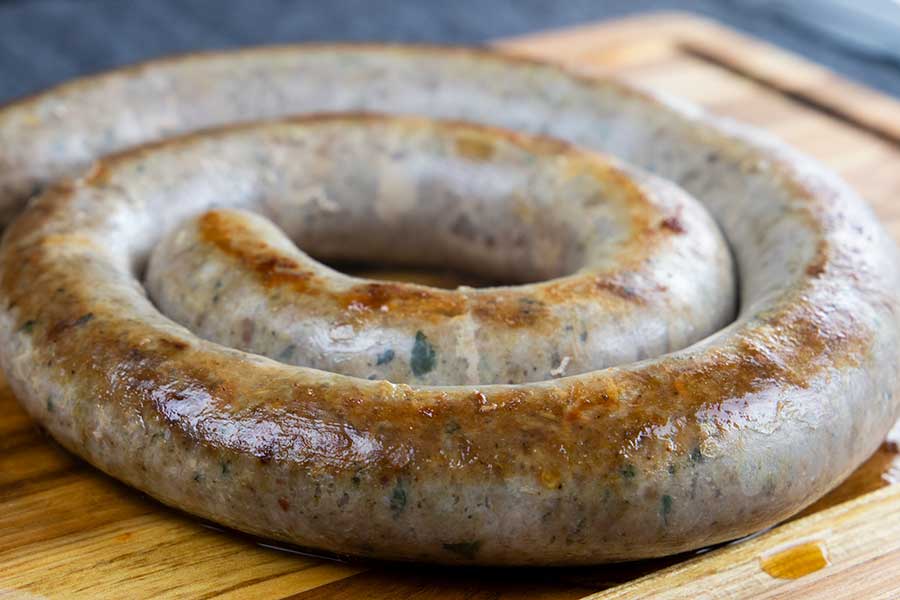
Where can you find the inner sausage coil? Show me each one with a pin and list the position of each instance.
(697, 335)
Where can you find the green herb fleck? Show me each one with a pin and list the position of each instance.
(580, 525)
(50, 406)
(226, 469)
(452, 427)
(467, 550)
(385, 357)
(398, 499)
(198, 477)
(696, 455)
(355, 480)
(28, 326)
(628, 471)
(287, 353)
(665, 508)
(423, 355)
(83, 319)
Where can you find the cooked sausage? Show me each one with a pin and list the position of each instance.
(635, 267)
(704, 444)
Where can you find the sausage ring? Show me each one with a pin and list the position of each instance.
(613, 244)
(717, 437)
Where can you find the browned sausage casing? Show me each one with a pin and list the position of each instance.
(708, 443)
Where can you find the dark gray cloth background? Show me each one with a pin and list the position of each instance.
(43, 42)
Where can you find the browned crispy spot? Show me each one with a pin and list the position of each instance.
(792, 351)
(815, 269)
(228, 233)
(816, 266)
(673, 224)
(622, 290)
(399, 298)
(173, 344)
(475, 146)
(99, 174)
(60, 327)
(513, 310)
(45, 207)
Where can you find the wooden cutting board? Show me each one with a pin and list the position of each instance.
(67, 531)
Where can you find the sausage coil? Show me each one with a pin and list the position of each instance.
(651, 385)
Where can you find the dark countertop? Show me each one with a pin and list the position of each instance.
(43, 42)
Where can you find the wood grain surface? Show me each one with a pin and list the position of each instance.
(67, 531)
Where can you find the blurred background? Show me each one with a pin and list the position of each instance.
(43, 42)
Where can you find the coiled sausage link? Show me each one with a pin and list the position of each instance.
(635, 267)
(714, 441)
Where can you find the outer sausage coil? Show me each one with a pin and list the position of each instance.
(719, 436)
